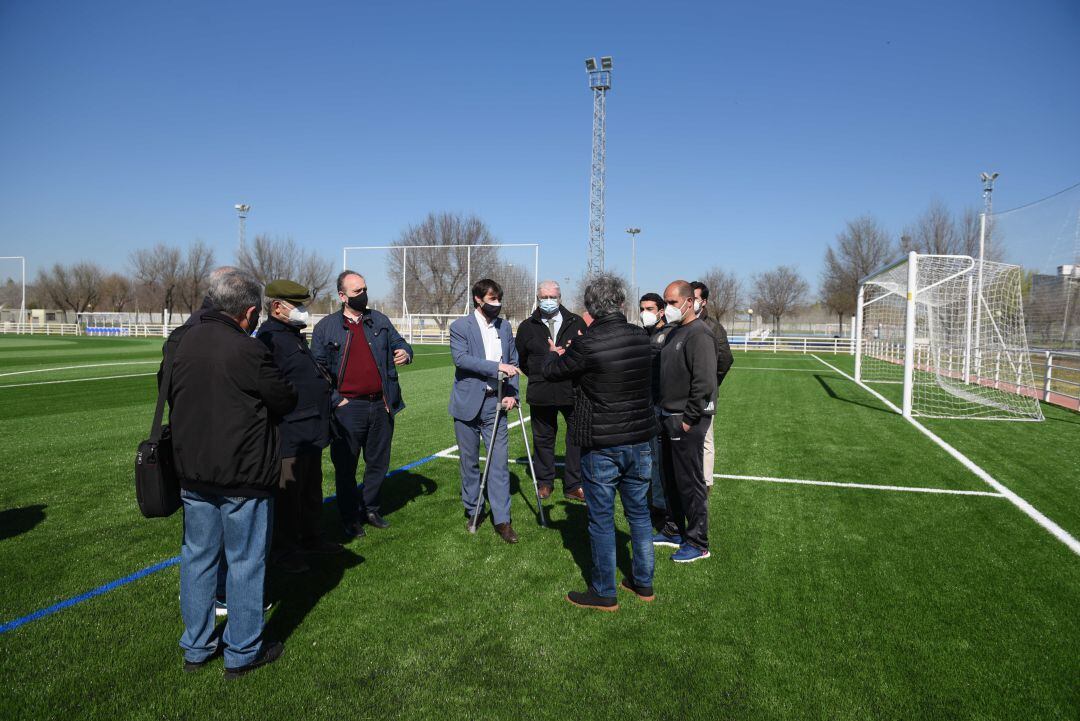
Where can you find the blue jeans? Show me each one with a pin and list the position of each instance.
(628, 470)
(239, 530)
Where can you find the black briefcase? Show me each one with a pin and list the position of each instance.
(157, 488)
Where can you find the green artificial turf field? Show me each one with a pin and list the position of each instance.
(819, 602)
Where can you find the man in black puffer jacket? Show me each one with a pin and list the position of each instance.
(613, 421)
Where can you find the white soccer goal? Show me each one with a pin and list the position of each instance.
(950, 330)
(423, 288)
(13, 292)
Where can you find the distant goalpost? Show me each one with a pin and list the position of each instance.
(950, 330)
(424, 287)
(20, 321)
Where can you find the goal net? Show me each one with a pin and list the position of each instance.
(423, 288)
(951, 331)
(12, 292)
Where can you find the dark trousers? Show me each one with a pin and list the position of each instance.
(545, 424)
(366, 427)
(684, 481)
(299, 502)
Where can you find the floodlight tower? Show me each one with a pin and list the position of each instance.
(599, 83)
(241, 215)
(988, 207)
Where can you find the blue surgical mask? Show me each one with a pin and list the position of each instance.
(549, 305)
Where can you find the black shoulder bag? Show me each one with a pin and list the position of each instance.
(157, 488)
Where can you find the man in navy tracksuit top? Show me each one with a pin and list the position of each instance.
(361, 350)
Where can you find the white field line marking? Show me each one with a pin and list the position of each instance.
(89, 365)
(801, 482)
(75, 380)
(838, 484)
(1035, 514)
(789, 370)
(449, 452)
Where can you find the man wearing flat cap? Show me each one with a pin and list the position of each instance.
(303, 433)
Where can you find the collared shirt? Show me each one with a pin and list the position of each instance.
(553, 324)
(490, 334)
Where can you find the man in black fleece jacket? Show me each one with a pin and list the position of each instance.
(687, 402)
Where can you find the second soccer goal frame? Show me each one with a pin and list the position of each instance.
(950, 330)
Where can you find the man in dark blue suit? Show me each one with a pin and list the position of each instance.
(482, 346)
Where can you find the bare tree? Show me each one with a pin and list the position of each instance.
(117, 292)
(968, 229)
(933, 232)
(270, 259)
(75, 288)
(159, 272)
(861, 248)
(438, 279)
(725, 291)
(195, 271)
(778, 292)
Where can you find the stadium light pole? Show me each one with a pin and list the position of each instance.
(242, 210)
(988, 206)
(749, 329)
(22, 301)
(599, 83)
(633, 259)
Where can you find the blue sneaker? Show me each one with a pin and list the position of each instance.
(688, 554)
(662, 539)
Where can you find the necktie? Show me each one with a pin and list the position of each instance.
(551, 327)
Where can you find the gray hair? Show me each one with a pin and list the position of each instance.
(605, 294)
(233, 291)
(549, 284)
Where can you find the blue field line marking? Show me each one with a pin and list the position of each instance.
(161, 565)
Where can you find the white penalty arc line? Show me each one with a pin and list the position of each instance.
(449, 452)
(80, 367)
(75, 380)
(1035, 514)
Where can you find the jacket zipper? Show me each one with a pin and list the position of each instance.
(345, 355)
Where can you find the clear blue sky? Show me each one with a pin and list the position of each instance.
(739, 134)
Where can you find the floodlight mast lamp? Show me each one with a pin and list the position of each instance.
(988, 207)
(599, 83)
(633, 259)
(241, 215)
(22, 301)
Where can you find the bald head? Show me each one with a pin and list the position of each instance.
(680, 295)
(679, 287)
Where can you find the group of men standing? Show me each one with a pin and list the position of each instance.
(249, 419)
(639, 403)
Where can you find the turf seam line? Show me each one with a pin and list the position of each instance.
(1035, 514)
(75, 380)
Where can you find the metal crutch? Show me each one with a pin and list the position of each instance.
(532, 470)
(487, 459)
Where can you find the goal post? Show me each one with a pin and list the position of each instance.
(950, 331)
(12, 294)
(423, 288)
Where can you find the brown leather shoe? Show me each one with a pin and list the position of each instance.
(506, 532)
(545, 492)
(578, 494)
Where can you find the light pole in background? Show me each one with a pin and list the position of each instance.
(749, 327)
(633, 260)
(599, 83)
(22, 302)
(988, 206)
(241, 215)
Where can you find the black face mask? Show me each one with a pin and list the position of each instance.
(358, 302)
(491, 312)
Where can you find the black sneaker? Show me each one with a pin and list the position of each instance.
(645, 593)
(588, 599)
(355, 530)
(323, 547)
(374, 519)
(269, 653)
(192, 666)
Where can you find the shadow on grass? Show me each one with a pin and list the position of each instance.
(296, 594)
(17, 521)
(402, 488)
(824, 382)
(575, 537)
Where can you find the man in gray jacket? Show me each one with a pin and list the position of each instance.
(687, 402)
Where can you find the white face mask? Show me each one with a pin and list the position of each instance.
(697, 306)
(648, 318)
(672, 314)
(299, 316)
(549, 305)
